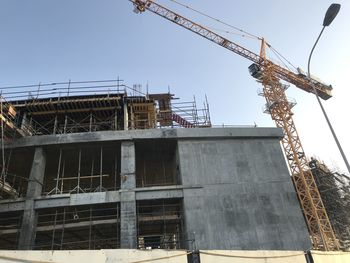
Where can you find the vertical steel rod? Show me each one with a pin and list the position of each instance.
(63, 168)
(79, 165)
(116, 120)
(65, 124)
(115, 171)
(90, 123)
(118, 225)
(63, 225)
(58, 171)
(90, 228)
(101, 168)
(92, 171)
(55, 125)
(53, 232)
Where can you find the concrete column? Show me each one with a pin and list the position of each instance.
(28, 227)
(36, 176)
(128, 166)
(29, 220)
(128, 229)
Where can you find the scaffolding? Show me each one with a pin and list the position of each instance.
(156, 163)
(10, 223)
(334, 189)
(11, 186)
(9, 183)
(87, 106)
(82, 169)
(15, 172)
(9, 121)
(84, 107)
(160, 225)
(78, 227)
(79, 107)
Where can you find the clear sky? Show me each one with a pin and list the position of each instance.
(57, 40)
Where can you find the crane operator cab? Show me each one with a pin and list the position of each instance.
(255, 71)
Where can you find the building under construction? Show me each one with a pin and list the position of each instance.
(96, 165)
(334, 188)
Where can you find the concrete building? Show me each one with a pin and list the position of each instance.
(122, 177)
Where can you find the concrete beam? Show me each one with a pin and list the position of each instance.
(93, 223)
(11, 205)
(106, 136)
(64, 200)
(65, 226)
(52, 201)
(163, 192)
(77, 199)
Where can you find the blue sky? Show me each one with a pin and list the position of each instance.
(57, 40)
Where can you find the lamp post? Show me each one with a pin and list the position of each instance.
(329, 17)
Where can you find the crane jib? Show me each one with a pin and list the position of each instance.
(323, 90)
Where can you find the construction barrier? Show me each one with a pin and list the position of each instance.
(330, 257)
(95, 256)
(261, 256)
(168, 256)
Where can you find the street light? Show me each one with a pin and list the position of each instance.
(329, 17)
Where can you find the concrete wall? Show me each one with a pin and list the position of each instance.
(168, 256)
(330, 257)
(238, 195)
(96, 256)
(225, 256)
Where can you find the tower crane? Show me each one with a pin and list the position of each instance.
(270, 75)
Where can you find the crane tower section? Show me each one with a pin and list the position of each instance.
(320, 229)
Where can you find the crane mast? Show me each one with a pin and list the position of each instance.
(320, 229)
(269, 75)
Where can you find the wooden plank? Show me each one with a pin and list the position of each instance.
(75, 110)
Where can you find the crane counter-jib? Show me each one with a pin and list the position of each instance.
(285, 74)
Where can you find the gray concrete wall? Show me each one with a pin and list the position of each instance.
(245, 198)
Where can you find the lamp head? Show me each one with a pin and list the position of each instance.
(331, 13)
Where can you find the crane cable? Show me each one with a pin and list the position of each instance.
(228, 32)
(280, 56)
(217, 20)
(245, 33)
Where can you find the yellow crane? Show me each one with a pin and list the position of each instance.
(269, 75)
